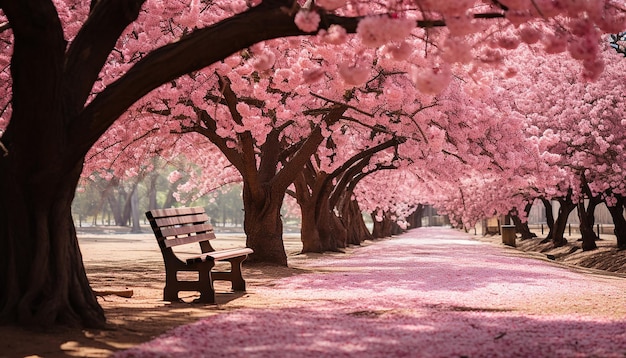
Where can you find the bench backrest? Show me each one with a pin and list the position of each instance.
(180, 226)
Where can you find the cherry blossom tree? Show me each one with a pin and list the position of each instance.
(579, 125)
(70, 79)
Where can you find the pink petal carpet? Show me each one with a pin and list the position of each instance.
(431, 292)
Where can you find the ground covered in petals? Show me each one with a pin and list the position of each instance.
(431, 292)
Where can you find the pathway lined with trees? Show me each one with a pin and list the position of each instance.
(435, 291)
(254, 91)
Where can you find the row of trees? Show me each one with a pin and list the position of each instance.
(409, 91)
(110, 200)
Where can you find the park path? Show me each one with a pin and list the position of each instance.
(432, 292)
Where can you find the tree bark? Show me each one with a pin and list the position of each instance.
(522, 227)
(382, 228)
(560, 224)
(309, 234)
(415, 219)
(549, 215)
(377, 228)
(353, 221)
(617, 213)
(264, 226)
(338, 232)
(586, 217)
(43, 279)
(586, 228)
(317, 225)
(134, 203)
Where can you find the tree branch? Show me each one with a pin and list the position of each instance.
(92, 45)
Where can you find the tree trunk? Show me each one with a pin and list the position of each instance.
(586, 217)
(395, 228)
(586, 226)
(387, 225)
(522, 227)
(560, 224)
(317, 223)
(377, 229)
(382, 228)
(152, 191)
(415, 219)
(332, 233)
(549, 215)
(263, 227)
(42, 275)
(309, 233)
(617, 213)
(338, 232)
(42, 278)
(134, 203)
(116, 208)
(357, 230)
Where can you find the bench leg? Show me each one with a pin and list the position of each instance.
(205, 287)
(170, 295)
(239, 284)
(170, 291)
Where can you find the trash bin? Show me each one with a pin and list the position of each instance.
(508, 235)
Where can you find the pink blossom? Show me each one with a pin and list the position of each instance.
(555, 43)
(583, 48)
(354, 75)
(264, 61)
(462, 24)
(593, 68)
(336, 35)
(508, 42)
(400, 52)
(529, 34)
(456, 49)
(313, 75)
(431, 80)
(174, 176)
(375, 31)
(307, 21)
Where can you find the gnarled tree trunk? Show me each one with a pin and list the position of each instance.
(264, 226)
(353, 219)
(522, 226)
(557, 232)
(586, 217)
(382, 228)
(415, 219)
(43, 279)
(586, 228)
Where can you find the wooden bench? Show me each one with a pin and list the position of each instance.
(177, 227)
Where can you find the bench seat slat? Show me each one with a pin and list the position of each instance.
(188, 239)
(220, 255)
(181, 220)
(185, 229)
(157, 213)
